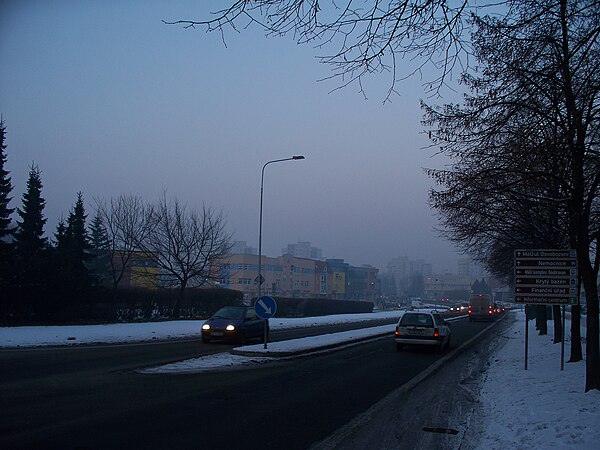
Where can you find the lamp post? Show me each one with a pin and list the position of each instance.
(262, 179)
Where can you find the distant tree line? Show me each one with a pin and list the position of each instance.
(45, 280)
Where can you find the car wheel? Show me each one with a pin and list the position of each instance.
(448, 343)
(205, 340)
(398, 347)
(242, 338)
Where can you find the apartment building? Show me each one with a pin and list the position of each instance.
(291, 276)
(140, 270)
(446, 285)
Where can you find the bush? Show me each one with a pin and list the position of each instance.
(102, 305)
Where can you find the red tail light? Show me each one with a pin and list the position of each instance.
(436, 332)
(396, 332)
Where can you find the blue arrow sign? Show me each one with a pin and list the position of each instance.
(265, 307)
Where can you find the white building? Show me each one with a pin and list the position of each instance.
(303, 250)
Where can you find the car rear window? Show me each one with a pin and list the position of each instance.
(416, 320)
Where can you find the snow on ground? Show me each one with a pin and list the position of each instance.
(542, 407)
(260, 355)
(136, 332)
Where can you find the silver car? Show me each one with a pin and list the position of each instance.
(422, 328)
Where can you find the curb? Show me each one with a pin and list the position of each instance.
(287, 353)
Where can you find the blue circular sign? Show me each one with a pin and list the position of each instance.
(265, 307)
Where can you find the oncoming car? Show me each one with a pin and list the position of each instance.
(234, 323)
(422, 328)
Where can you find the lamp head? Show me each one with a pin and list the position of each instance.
(298, 157)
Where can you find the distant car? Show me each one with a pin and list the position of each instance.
(422, 328)
(234, 323)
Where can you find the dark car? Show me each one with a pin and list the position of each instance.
(234, 323)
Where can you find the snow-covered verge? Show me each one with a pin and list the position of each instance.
(139, 332)
(250, 355)
(541, 407)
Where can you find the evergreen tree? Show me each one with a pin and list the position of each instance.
(60, 234)
(6, 263)
(60, 256)
(100, 249)
(99, 236)
(30, 243)
(5, 189)
(78, 244)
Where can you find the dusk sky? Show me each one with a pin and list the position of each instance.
(106, 99)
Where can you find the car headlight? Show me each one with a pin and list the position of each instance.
(206, 326)
(230, 328)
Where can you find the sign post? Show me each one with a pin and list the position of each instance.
(265, 308)
(546, 277)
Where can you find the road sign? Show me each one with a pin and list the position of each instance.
(546, 276)
(544, 281)
(265, 307)
(259, 280)
(535, 299)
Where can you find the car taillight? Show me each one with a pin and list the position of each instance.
(470, 311)
(435, 332)
(396, 332)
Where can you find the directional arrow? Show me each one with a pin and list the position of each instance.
(265, 307)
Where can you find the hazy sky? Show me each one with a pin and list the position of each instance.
(108, 100)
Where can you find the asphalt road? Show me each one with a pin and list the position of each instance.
(92, 397)
(439, 409)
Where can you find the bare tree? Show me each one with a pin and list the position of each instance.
(126, 221)
(526, 142)
(188, 247)
(361, 38)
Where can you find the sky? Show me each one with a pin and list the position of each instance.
(106, 100)
(543, 407)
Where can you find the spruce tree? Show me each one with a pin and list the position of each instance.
(78, 244)
(60, 234)
(60, 256)
(100, 249)
(98, 234)
(6, 260)
(5, 189)
(30, 243)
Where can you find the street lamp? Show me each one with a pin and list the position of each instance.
(262, 179)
